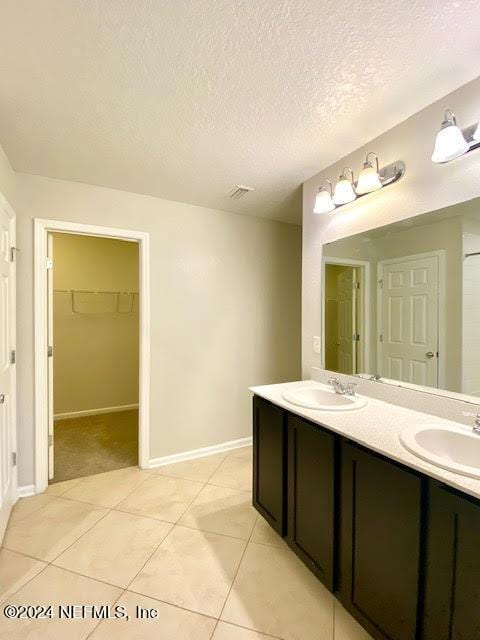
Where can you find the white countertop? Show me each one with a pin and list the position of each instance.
(376, 426)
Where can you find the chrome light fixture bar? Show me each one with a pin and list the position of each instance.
(371, 178)
(452, 142)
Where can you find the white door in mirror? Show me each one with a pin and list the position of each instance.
(410, 319)
(323, 399)
(454, 448)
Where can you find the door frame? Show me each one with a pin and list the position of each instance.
(42, 227)
(348, 262)
(440, 254)
(13, 346)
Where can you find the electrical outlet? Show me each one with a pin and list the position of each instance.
(317, 344)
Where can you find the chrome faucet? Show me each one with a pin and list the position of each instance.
(476, 426)
(343, 388)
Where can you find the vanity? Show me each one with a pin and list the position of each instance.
(394, 536)
(377, 492)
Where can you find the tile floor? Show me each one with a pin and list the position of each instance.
(182, 539)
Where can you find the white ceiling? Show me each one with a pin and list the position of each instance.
(184, 98)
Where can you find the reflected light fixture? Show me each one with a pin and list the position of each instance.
(323, 201)
(450, 142)
(344, 191)
(369, 180)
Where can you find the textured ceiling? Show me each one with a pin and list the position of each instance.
(184, 98)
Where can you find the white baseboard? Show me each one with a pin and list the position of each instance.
(25, 491)
(200, 453)
(94, 412)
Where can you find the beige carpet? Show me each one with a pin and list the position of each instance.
(94, 444)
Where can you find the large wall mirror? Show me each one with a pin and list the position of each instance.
(403, 301)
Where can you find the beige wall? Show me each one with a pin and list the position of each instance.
(96, 348)
(425, 187)
(7, 178)
(225, 308)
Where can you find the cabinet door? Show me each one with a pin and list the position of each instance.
(310, 529)
(452, 584)
(269, 466)
(380, 543)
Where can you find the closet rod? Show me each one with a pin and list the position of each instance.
(129, 293)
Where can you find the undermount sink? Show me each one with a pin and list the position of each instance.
(323, 399)
(454, 448)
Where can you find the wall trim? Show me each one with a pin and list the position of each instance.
(94, 412)
(41, 229)
(25, 491)
(200, 453)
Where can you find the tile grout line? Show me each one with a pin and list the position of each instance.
(100, 621)
(234, 578)
(163, 539)
(109, 510)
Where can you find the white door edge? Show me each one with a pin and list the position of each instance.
(11, 497)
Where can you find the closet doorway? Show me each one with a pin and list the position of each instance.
(91, 350)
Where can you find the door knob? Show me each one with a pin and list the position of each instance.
(2, 398)
(429, 354)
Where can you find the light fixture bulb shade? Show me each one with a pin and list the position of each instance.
(323, 202)
(368, 181)
(344, 192)
(476, 135)
(449, 144)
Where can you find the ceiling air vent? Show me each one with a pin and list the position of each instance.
(238, 192)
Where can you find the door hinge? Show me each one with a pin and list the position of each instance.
(356, 285)
(356, 337)
(13, 356)
(50, 440)
(380, 337)
(14, 458)
(50, 352)
(380, 284)
(12, 253)
(49, 263)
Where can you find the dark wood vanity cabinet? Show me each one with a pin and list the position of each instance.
(380, 543)
(452, 579)
(269, 462)
(311, 495)
(400, 550)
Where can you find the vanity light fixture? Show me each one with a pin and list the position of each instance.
(323, 201)
(476, 135)
(369, 180)
(450, 142)
(372, 178)
(344, 189)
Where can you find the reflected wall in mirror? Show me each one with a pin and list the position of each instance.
(403, 301)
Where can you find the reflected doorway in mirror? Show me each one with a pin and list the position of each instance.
(346, 315)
